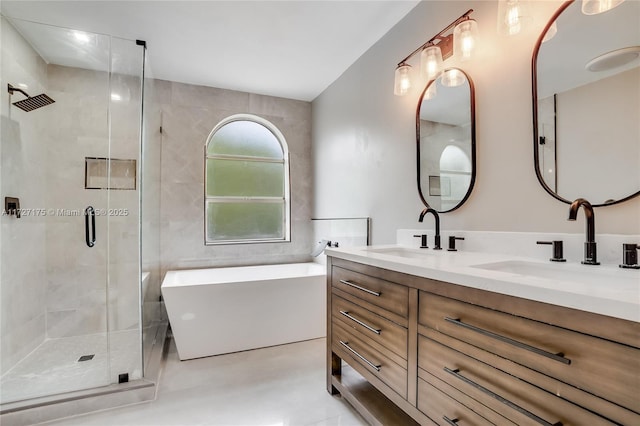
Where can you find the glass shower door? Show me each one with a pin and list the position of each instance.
(62, 283)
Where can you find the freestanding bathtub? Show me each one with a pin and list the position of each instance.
(221, 310)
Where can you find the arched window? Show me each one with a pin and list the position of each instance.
(246, 182)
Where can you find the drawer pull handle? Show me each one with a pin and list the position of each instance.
(453, 422)
(368, 327)
(529, 414)
(366, 290)
(556, 357)
(372, 365)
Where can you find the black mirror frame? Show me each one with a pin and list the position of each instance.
(472, 101)
(534, 97)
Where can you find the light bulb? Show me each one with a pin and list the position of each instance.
(402, 80)
(593, 7)
(431, 62)
(512, 17)
(464, 39)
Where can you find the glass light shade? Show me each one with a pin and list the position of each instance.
(593, 7)
(402, 80)
(465, 35)
(551, 32)
(431, 62)
(512, 17)
(431, 91)
(452, 78)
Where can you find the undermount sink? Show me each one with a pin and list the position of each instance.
(564, 272)
(401, 252)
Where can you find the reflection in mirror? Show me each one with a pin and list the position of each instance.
(445, 128)
(586, 101)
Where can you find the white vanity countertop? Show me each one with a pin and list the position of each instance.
(603, 289)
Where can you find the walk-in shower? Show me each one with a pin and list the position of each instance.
(71, 312)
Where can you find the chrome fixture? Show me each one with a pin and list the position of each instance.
(452, 242)
(557, 250)
(423, 240)
(590, 255)
(30, 103)
(437, 218)
(630, 256)
(461, 44)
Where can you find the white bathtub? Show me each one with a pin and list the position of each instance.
(221, 310)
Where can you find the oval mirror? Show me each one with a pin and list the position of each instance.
(446, 141)
(586, 104)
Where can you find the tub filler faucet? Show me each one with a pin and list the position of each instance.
(590, 255)
(437, 219)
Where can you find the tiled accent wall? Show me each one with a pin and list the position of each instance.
(188, 114)
(22, 267)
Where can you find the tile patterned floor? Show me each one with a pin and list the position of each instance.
(277, 386)
(53, 367)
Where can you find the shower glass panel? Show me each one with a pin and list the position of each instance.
(69, 270)
(153, 321)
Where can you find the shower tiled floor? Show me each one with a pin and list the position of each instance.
(54, 368)
(276, 386)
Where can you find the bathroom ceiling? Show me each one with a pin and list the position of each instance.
(290, 49)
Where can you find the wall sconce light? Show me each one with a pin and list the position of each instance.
(402, 80)
(593, 7)
(439, 48)
(512, 17)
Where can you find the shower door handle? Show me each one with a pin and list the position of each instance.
(90, 237)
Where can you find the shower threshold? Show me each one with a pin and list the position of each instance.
(60, 405)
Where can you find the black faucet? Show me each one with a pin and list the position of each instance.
(590, 255)
(437, 218)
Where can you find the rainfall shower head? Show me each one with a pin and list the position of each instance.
(30, 103)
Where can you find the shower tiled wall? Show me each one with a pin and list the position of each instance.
(188, 114)
(23, 253)
(53, 285)
(76, 291)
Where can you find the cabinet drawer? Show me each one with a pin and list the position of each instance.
(601, 367)
(515, 399)
(385, 294)
(379, 329)
(444, 410)
(349, 347)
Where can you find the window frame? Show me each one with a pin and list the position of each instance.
(286, 199)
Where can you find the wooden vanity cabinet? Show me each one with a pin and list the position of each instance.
(409, 350)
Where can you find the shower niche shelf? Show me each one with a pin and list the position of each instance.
(109, 173)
